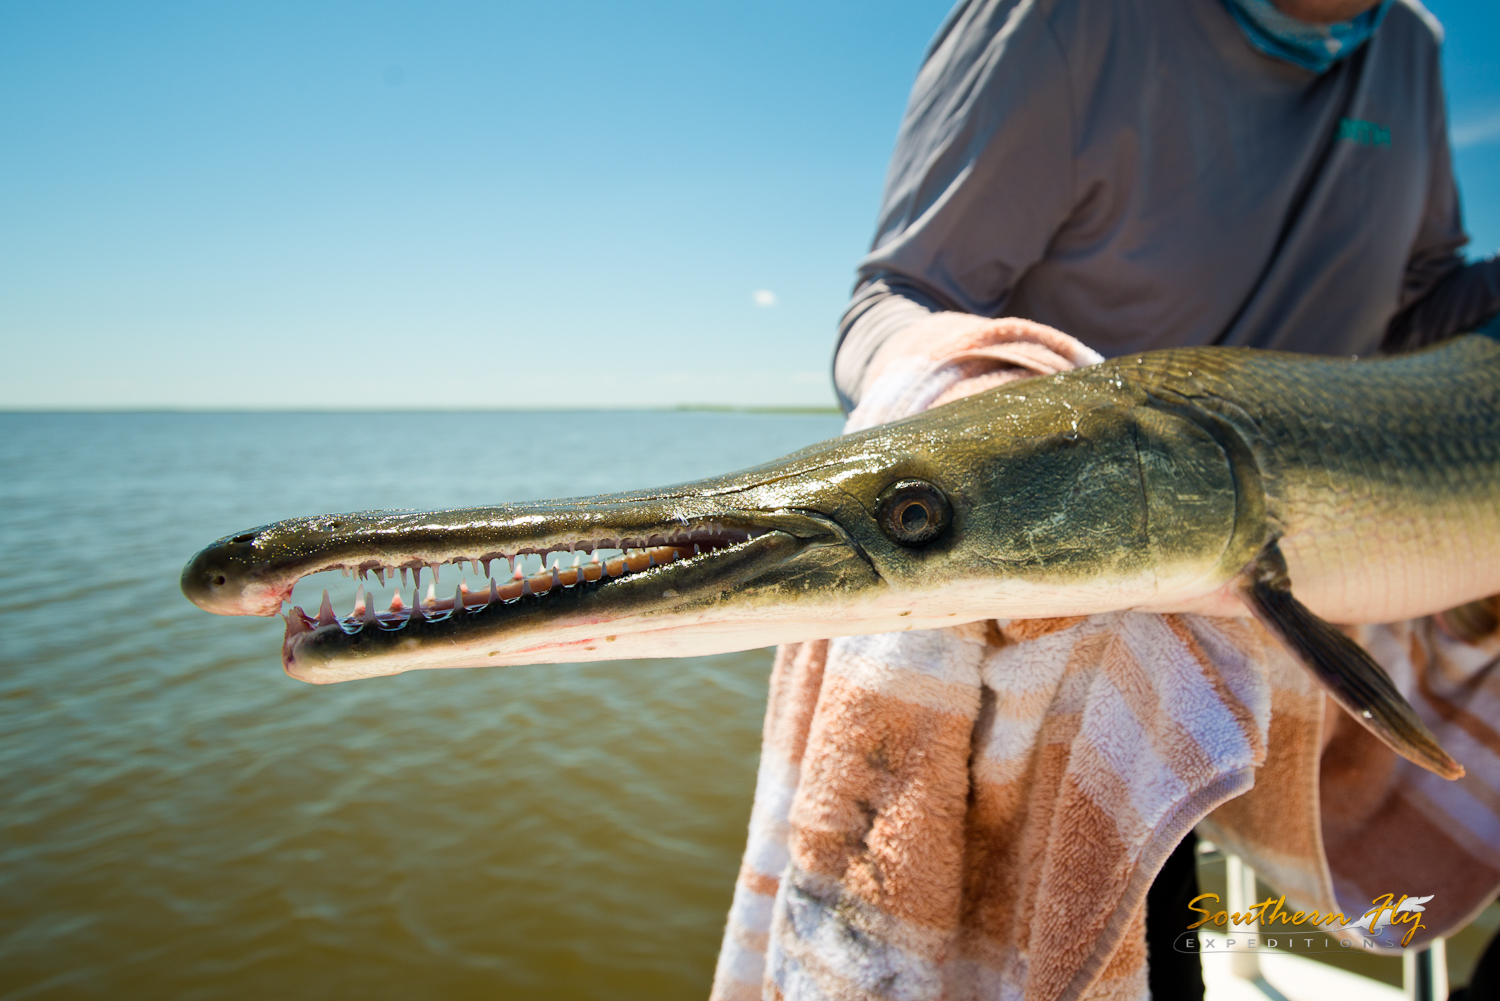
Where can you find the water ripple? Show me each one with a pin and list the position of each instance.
(182, 821)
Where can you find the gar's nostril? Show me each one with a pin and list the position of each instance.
(248, 536)
(219, 580)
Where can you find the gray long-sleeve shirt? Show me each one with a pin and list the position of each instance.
(1135, 174)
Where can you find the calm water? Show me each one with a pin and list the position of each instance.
(181, 820)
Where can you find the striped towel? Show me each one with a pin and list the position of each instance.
(978, 812)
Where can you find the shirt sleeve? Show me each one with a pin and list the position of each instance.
(1442, 295)
(1466, 299)
(981, 179)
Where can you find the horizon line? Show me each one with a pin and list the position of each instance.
(625, 408)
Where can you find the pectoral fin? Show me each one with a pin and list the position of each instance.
(1344, 669)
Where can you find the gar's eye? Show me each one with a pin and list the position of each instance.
(912, 512)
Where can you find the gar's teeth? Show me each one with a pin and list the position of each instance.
(520, 573)
(416, 608)
(359, 600)
(525, 586)
(431, 598)
(403, 576)
(434, 568)
(346, 571)
(486, 565)
(556, 580)
(325, 611)
(396, 602)
(297, 621)
(370, 615)
(380, 575)
(458, 598)
(494, 592)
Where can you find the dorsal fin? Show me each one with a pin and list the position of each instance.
(1342, 666)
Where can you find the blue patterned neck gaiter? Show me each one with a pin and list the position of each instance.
(1312, 46)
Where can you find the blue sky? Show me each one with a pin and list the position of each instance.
(393, 205)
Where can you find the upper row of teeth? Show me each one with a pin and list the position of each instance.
(553, 574)
(553, 557)
(552, 563)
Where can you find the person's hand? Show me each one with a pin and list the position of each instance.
(948, 356)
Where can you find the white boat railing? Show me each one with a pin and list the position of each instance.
(1424, 972)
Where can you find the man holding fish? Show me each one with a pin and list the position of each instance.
(1164, 174)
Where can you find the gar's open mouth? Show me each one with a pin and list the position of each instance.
(512, 579)
(676, 572)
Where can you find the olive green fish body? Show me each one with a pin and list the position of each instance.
(1207, 479)
(1381, 479)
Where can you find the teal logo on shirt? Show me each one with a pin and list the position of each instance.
(1365, 133)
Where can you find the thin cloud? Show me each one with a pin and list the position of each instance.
(1477, 132)
(764, 297)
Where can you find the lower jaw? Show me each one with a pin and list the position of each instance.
(664, 637)
(562, 646)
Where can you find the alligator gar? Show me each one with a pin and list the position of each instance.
(1215, 480)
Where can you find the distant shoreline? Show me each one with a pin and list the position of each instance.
(724, 408)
